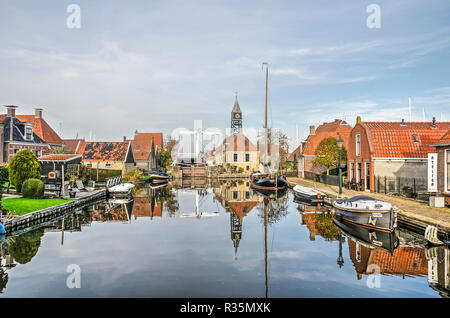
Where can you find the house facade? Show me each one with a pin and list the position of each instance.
(146, 148)
(239, 152)
(107, 155)
(305, 153)
(384, 153)
(16, 135)
(443, 166)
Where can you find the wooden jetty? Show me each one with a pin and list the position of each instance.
(41, 216)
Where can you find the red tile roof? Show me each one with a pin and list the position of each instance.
(71, 144)
(40, 128)
(445, 140)
(103, 151)
(142, 144)
(143, 208)
(394, 140)
(237, 143)
(334, 129)
(59, 157)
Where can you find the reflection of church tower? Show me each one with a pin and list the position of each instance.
(236, 118)
(236, 231)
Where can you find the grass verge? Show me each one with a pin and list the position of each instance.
(21, 206)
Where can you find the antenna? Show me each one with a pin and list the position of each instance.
(423, 114)
(409, 102)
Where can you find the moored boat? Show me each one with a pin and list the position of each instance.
(159, 177)
(123, 189)
(309, 194)
(366, 211)
(269, 182)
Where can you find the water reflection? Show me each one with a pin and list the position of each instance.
(295, 248)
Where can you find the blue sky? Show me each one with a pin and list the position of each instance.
(159, 65)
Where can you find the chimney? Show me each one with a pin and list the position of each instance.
(11, 110)
(312, 130)
(403, 122)
(358, 120)
(2, 127)
(124, 138)
(434, 123)
(38, 113)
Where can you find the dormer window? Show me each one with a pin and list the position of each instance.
(28, 133)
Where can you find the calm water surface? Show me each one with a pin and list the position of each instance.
(212, 242)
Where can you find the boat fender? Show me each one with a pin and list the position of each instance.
(2, 229)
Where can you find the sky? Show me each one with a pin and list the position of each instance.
(159, 65)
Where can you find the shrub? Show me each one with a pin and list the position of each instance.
(240, 170)
(4, 173)
(33, 188)
(133, 176)
(23, 166)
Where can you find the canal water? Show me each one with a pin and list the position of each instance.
(216, 240)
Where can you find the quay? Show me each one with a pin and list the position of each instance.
(41, 216)
(412, 214)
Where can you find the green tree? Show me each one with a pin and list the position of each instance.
(24, 247)
(324, 225)
(23, 166)
(328, 153)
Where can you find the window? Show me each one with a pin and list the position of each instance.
(448, 169)
(108, 165)
(246, 142)
(235, 157)
(137, 148)
(358, 145)
(352, 170)
(28, 133)
(247, 157)
(247, 195)
(38, 153)
(16, 151)
(235, 195)
(247, 168)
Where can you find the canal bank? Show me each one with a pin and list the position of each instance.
(414, 214)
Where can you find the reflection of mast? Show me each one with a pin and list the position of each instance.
(265, 245)
(340, 259)
(236, 231)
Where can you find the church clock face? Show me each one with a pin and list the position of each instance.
(237, 116)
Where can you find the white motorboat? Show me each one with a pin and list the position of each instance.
(121, 189)
(308, 194)
(366, 211)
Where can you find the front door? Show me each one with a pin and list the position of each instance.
(367, 175)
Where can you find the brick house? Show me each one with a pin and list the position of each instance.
(392, 151)
(146, 147)
(305, 153)
(443, 165)
(17, 134)
(107, 155)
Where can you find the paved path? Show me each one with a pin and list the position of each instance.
(408, 207)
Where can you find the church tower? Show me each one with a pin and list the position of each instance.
(236, 118)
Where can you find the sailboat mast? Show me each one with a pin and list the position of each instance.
(267, 88)
(265, 246)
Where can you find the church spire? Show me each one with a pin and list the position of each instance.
(236, 108)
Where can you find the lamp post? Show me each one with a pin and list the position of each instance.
(340, 143)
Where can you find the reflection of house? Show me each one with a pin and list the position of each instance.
(405, 260)
(439, 270)
(146, 147)
(237, 199)
(17, 134)
(111, 212)
(443, 166)
(107, 155)
(144, 207)
(391, 149)
(305, 153)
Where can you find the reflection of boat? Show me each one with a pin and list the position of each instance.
(158, 186)
(157, 177)
(270, 193)
(376, 239)
(123, 189)
(308, 194)
(366, 211)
